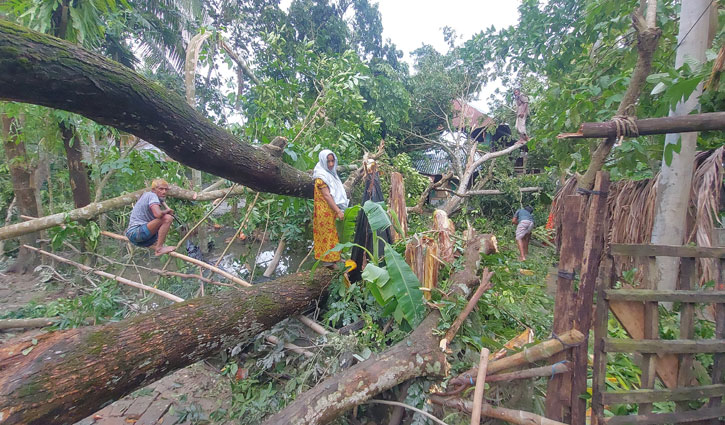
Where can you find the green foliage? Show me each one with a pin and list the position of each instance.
(348, 224)
(404, 287)
(99, 305)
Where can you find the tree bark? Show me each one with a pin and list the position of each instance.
(21, 176)
(417, 355)
(675, 180)
(77, 173)
(68, 375)
(397, 204)
(92, 210)
(39, 69)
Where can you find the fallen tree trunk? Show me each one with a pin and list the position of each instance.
(417, 355)
(66, 376)
(96, 208)
(33, 64)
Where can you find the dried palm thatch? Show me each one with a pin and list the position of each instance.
(631, 206)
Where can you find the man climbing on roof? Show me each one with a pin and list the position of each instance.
(149, 224)
(524, 221)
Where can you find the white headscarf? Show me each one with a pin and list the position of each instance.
(333, 182)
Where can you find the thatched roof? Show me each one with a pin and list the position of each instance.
(631, 206)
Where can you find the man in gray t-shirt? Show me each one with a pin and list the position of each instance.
(524, 221)
(149, 224)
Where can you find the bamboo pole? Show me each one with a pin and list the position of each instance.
(540, 351)
(480, 387)
(710, 121)
(518, 417)
(483, 287)
(190, 260)
(535, 372)
(118, 279)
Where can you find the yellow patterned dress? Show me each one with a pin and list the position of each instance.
(324, 233)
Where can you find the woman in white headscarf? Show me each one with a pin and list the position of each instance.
(330, 202)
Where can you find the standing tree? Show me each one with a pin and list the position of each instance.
(23, 187)
(675, 180)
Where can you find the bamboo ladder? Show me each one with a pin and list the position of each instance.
(685, 348)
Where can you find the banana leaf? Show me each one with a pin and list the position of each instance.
(377, 217)
(346, 227)
(376, 277)
(405, 287)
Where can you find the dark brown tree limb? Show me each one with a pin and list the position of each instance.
(484, 286)
(43, 70)
(417, 355)
(66, 376)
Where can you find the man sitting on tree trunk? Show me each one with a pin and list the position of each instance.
(524, 221)
(149, 224)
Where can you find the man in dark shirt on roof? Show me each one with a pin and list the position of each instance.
(149, 224)
(524, 221)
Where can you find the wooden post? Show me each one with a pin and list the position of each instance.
(651, 331)
(687, 329)
(593, 246)
(601, 331)
(558, 393)
(718, 367)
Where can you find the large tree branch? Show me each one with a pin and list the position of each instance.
(502, 152)
(242, 65)
(417, 355)
(484, 192)
(39, 69)
(96, 208)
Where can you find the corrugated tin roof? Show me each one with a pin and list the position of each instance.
(436, 161)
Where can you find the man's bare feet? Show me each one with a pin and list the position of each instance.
(163, 250)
